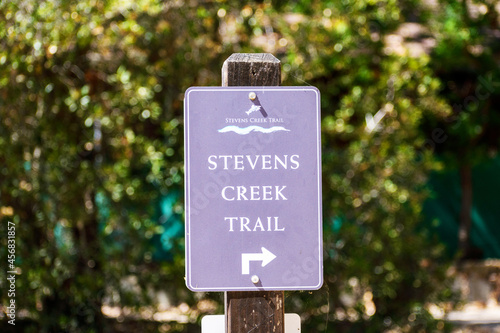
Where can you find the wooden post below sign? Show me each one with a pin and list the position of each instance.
(255, 311)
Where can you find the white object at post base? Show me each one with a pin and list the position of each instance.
(215, 323)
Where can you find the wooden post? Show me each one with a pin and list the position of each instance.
(255, 311)
(251, 69)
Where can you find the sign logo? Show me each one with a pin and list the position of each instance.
(256, 107)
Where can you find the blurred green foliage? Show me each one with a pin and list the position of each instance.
(91, 140)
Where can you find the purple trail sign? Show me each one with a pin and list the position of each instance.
(253, 188)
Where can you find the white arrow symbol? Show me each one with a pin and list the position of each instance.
(266, 257)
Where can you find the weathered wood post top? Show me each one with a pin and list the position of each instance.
(251, 69)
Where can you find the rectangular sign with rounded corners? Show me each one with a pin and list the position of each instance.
(253, 188)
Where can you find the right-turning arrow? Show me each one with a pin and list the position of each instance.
(266, 257)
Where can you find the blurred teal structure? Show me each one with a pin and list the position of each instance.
(442, 209)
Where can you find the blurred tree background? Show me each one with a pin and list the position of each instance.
(91, 141)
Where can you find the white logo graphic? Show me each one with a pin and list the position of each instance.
(253, 128)
(256, 107)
